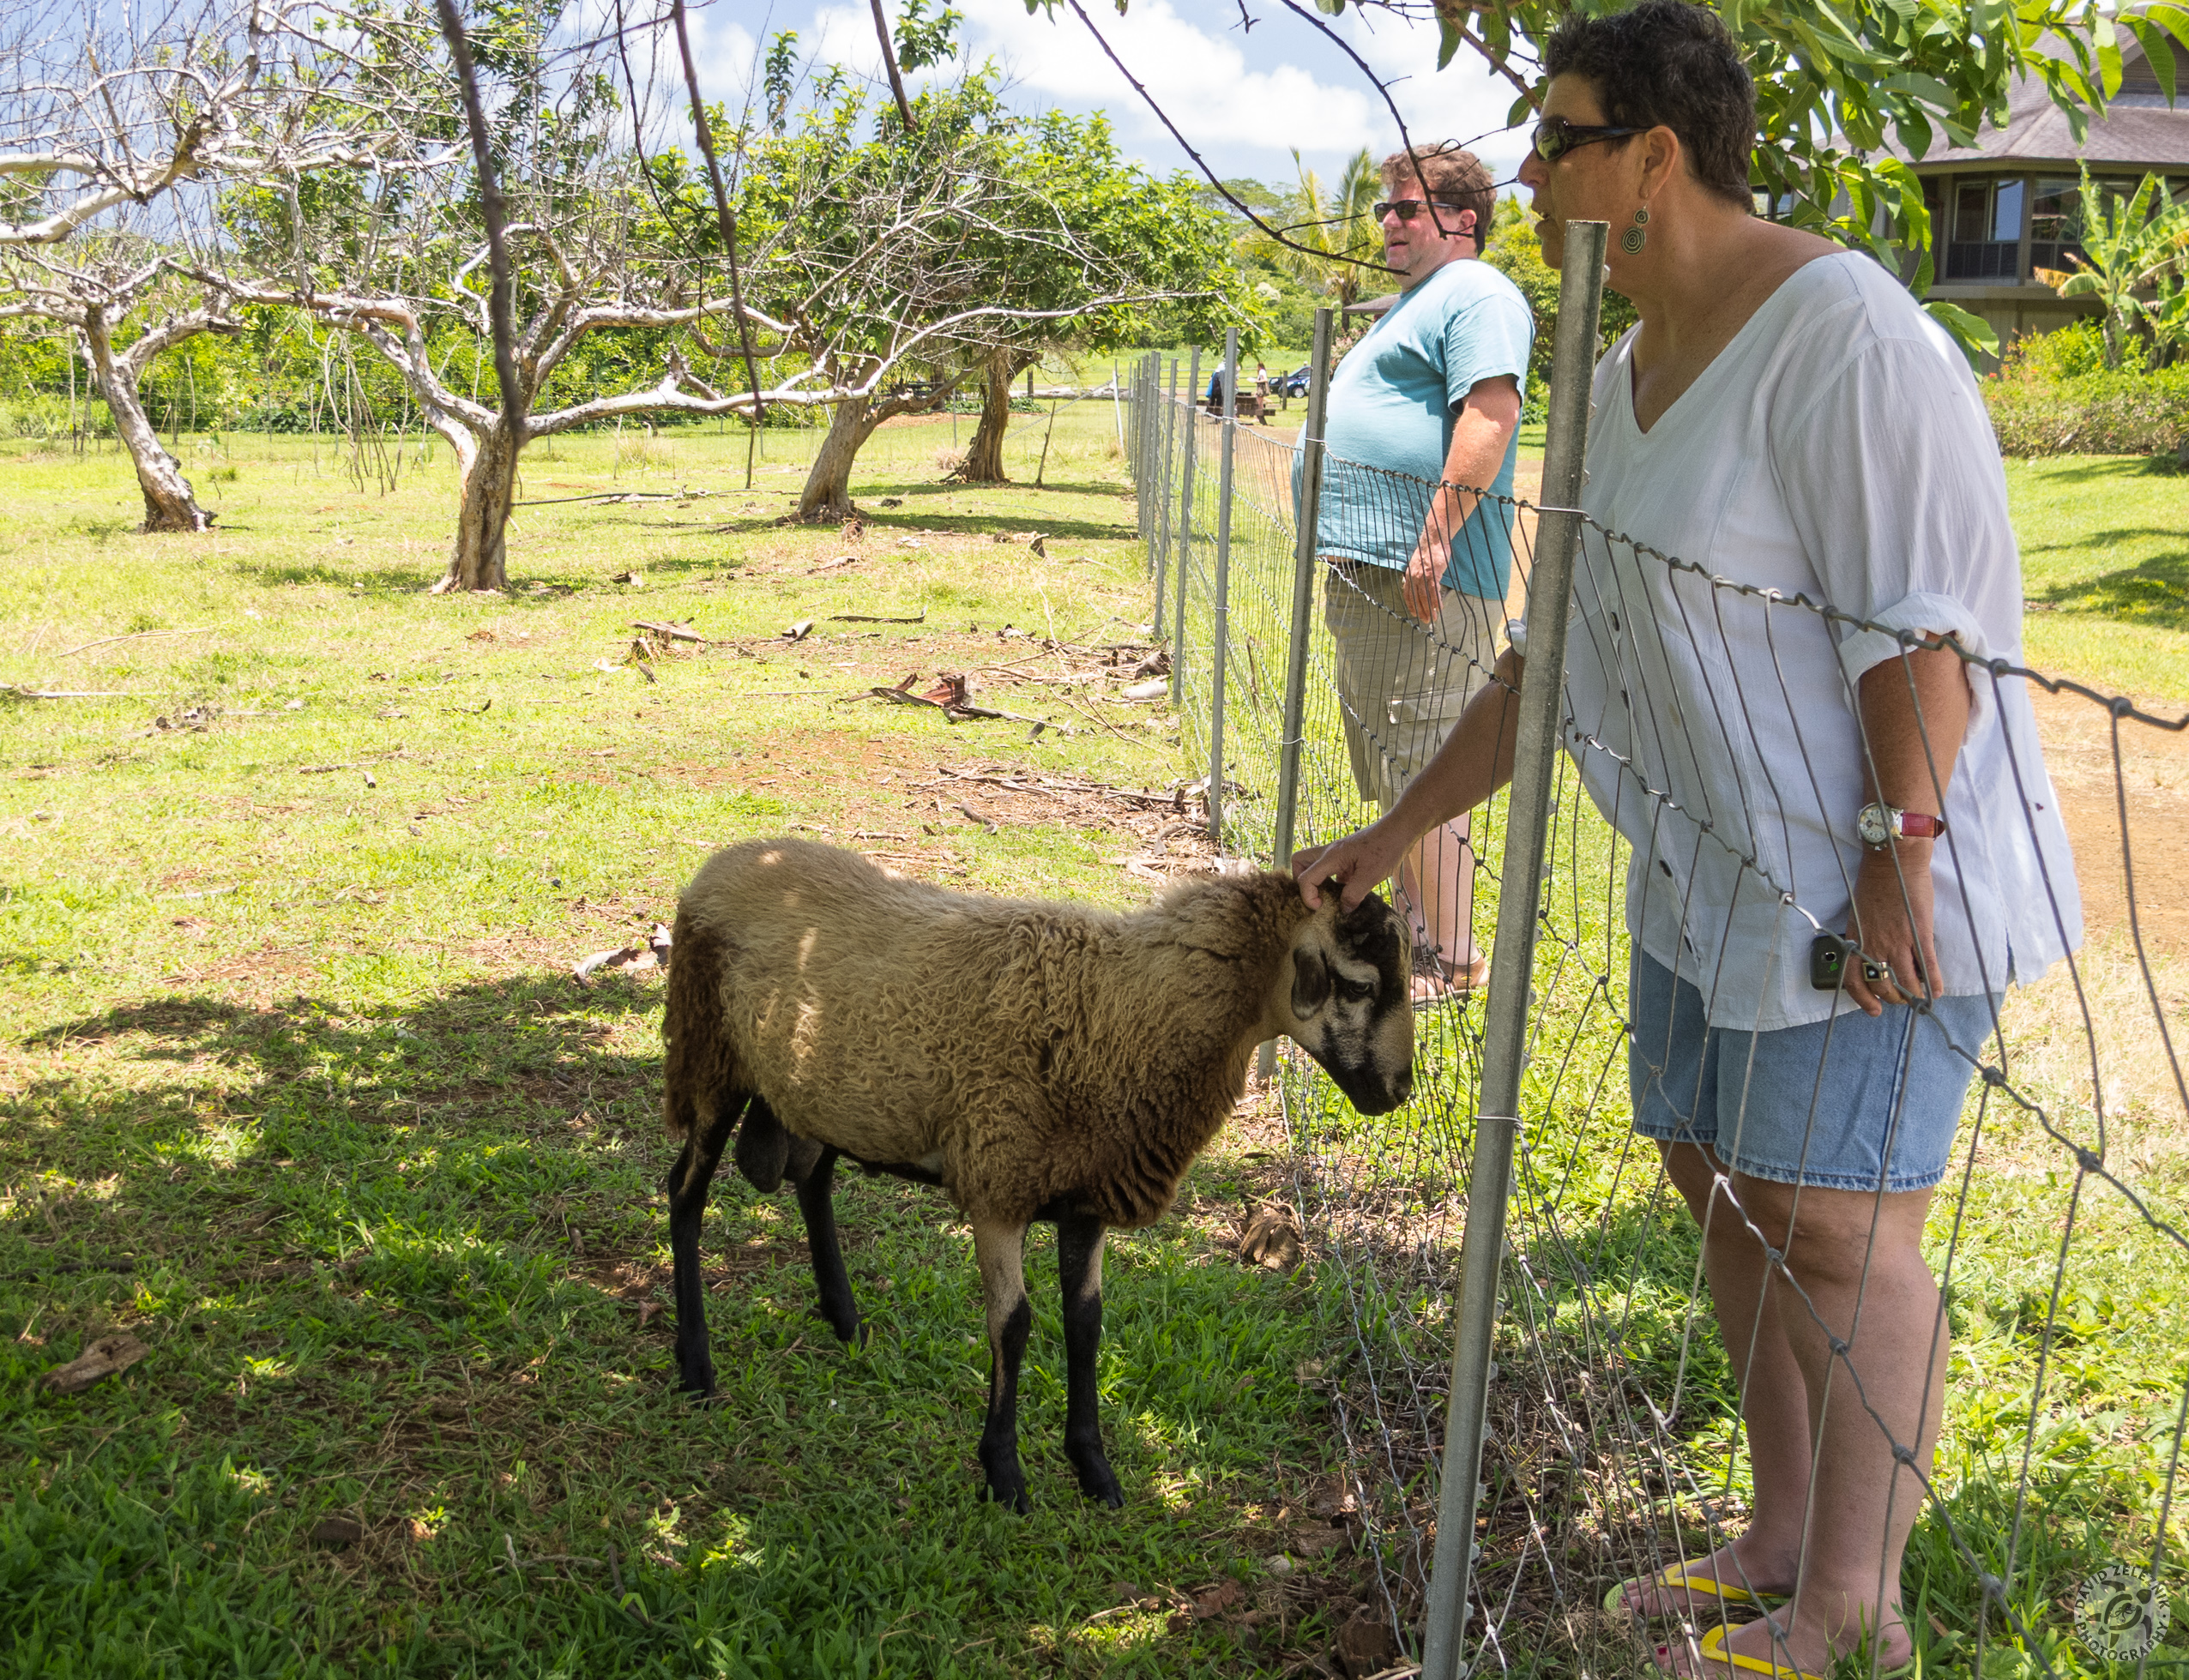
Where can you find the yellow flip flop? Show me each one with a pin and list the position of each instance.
(1713, 1650)
(1675, 1576)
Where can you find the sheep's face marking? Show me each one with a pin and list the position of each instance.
(1347, 1001)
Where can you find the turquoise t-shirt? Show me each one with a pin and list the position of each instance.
(1391, 405)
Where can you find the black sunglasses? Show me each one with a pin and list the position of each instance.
(1554, 136)
(1408, 208)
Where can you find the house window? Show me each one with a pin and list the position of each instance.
(2056, 214)
(1985, 235)
(1972, 204)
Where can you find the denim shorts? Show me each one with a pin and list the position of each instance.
(1846, 1105)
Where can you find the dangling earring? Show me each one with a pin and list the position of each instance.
(1634, 238)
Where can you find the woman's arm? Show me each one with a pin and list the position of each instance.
(1914, 716)
(1475, 762)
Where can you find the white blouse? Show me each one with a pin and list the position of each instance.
(1838, 448)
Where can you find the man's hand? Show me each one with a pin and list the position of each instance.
(1890, 919)
(1425, 573)
(1357, 864)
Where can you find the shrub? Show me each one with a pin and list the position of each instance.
(2094, 414)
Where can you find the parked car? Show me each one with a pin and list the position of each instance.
(1294, 384)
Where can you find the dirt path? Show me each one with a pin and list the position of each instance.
(2079, 739)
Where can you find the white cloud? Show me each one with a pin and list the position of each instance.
(1202, 82)
(1246, 101)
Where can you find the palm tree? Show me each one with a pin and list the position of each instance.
(1334, 227)
(2126, 247)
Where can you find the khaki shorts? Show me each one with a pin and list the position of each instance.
(1402, 684)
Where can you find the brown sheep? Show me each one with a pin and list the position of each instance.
(1035, 1060)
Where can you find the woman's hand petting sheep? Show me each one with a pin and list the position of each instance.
(1357, 864)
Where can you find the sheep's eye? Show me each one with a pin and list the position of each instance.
(1356, 991)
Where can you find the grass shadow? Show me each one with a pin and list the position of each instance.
(2154, 591)
(2089, 469)
(410, 1269)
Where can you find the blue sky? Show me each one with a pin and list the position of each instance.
(1244, 99)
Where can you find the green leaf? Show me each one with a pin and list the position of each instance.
(1976, 335)
(1330, 7)
(1449, 36)
(2156, 53)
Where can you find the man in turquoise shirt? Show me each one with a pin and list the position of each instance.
(1428, 401)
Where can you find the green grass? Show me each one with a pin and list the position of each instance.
(2105, 566)
(295, 1087)
(297, 1090)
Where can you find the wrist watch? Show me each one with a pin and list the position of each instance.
(1880, 825)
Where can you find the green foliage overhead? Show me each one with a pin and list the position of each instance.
(1839, 82)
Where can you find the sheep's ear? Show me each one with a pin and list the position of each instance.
(1311, 982)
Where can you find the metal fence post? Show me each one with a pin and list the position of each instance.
(1143, 450)
(1163, 501)
(1189, 419)
(1504, 1026)
(1220, 641)
(1306, 515)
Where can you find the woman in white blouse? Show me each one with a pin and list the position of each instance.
(1784, 416)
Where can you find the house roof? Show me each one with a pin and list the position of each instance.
(2138, 130)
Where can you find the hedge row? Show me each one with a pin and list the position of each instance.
(2095, 414)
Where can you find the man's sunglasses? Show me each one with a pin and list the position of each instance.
(1555, 137)
(1408, 208)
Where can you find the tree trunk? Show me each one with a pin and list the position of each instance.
(983, 458)
(170, 504)
(826, 495)
(480, 557)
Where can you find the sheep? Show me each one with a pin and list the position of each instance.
(1035, 1061)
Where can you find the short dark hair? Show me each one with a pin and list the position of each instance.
(1671, 64)
(1453, 176)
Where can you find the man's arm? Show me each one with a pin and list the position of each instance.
(1475, 762)
(1480, 433)
(1914, 716)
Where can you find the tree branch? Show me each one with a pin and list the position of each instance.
(501, 302)
(1201, 163)
(724, 220)
(889, 61)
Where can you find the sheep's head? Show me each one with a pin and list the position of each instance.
(1346, 997)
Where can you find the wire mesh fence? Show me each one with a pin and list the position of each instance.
(1703, 856)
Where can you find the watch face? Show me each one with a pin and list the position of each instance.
(1873, 825)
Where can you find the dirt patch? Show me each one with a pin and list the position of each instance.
(2150, 775)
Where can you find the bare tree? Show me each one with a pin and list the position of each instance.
(94, 295)
(112, 107)
(117, 128)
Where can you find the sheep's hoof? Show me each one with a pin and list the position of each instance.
(1011, 1495)
(1097, 1481)
(858, 1336)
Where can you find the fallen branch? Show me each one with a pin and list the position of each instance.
(617, 495)
(71, 694)
(674, 632)
(133, 635)
(866, 618)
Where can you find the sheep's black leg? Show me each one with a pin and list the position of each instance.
(817, 1200)
(1079, 1270)
(1001, 1250)
(688, 1182)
